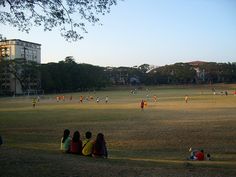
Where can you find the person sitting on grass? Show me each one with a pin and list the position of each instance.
(208, 157)
(87, 144)
(65, 141)
(99, 147)
(197, 155)
(76, 144)
(1, 142)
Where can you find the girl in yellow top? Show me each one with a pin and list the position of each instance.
(87, 146)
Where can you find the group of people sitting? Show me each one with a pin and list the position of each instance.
(87, 147)
(198, 155)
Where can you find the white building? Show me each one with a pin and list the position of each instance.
(16, 49)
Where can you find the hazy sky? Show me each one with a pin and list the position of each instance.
(155, 32)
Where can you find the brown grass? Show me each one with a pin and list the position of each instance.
(153, 142)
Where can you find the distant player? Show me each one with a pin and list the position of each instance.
(106, 99)
(81, 99)
(34, 102)
(58, 98)
(186, 98)
(155, 98)
(97, 100)
(38, 98)
(142, 104)
(145, 103)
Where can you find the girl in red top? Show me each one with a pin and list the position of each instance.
(76, 144)
(199, 155)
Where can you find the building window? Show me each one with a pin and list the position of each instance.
(5, 52)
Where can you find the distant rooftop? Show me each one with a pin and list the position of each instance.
(6, 40)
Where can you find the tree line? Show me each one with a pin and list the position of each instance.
(69, 76)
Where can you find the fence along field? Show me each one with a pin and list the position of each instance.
(140, 143)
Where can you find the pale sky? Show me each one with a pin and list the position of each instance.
(155, 32)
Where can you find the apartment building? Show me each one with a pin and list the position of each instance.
(18, 51)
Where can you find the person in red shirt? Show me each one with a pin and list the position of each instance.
(76, 144)
(142, 104)
(199, 155)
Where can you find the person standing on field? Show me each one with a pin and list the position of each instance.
(81, 99)
(142, 104)
(34, 102)
(106, 99)
(186, 98)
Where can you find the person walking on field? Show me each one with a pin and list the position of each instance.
(106, 99)
(97, 100)
(34, 102)
(155, 98)
(81, 99)
(142, 104)
(186, 98)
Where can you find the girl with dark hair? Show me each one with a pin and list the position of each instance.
(99, 147)
(65, 141)
(76, 144)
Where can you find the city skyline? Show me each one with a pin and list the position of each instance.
(155, 32)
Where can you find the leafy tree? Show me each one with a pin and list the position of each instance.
(212, 72)
(71, 16)
(70, 59)
(26, 72)
(67, 76)
(182, 73)
(144, 67)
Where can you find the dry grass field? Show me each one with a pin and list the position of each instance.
(153, 142)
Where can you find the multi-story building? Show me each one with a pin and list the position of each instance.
(18, 51)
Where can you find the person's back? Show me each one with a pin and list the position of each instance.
(87, 145)
(65, 146)
(199, 155)
(99, 148)
(76, 144)
(76, 147)
(65, 141)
